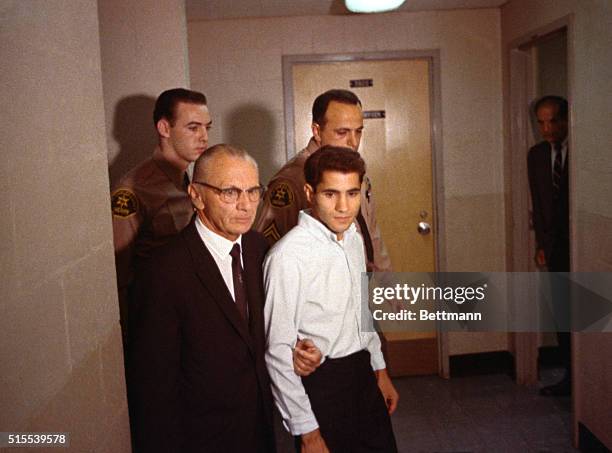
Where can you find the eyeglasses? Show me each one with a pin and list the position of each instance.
(232, 194)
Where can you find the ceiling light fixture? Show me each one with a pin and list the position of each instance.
(372, 6)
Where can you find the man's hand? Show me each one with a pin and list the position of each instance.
(387, 389)
(313, 442)
(306, 357)
(540, 258)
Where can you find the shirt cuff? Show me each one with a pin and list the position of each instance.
(377, 361)
(297, 428)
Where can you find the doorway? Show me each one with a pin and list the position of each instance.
(398, 145)
(538, 67)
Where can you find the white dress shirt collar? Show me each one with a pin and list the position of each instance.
(220, 247)
(319, 230)
(215, 242)
(553, 154)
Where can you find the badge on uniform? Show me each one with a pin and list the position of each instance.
(124, 203)
(271, 233)
(281, 196)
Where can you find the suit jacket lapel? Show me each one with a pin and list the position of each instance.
(210, 276)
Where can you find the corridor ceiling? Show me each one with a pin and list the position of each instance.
(226, 9)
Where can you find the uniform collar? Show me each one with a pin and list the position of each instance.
(176, 175)
(312, 147)
(319, 230)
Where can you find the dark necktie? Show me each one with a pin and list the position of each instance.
(239, 287)
(557, 170)
(185, 181)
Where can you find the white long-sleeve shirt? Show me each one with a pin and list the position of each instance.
(313, 284)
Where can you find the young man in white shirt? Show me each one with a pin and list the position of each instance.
(312, 279)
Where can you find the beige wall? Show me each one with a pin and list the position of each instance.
(144, 52)
(60, 349)
(590, 79)
(238, 64)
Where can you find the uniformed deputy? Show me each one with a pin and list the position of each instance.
(150, 204)
(337, 120)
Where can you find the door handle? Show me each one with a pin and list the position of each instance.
(424, 228)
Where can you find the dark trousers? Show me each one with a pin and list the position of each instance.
(349, 407)
(559, 261)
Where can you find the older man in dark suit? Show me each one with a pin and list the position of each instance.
(196, 370)
(548, 181)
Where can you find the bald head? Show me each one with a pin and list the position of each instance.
(205, 165)
(552, 118)
(225, 190)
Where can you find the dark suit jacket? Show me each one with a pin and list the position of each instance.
(550, 219)
(197, 379)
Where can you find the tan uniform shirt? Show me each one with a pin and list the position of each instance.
(150, 205)
(285, 198)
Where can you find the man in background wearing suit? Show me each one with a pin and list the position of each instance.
(196, 370)
(548, 180)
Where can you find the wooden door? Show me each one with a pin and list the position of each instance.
(397, 148)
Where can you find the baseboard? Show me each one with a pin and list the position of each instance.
(418, 357)
(482, 363)
(588, 442)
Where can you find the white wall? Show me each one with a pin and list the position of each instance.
(144, 52)
(61, 360)
(237, 63)
(590, 79)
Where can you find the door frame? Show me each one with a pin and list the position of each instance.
(435, 93)
(521, 91)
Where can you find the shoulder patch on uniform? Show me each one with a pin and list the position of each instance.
(271, 233)
(124, 203)
(281, 195)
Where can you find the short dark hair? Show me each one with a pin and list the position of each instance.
(558, 101)
(332, 158)
(165, 106)
(320, 104)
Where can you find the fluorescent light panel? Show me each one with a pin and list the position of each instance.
(372, 6)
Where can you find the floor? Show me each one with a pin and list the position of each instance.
(470, 414)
